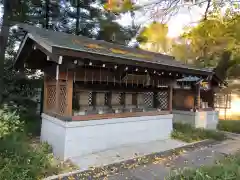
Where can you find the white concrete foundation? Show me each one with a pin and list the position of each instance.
(79, 138)
(202, 119)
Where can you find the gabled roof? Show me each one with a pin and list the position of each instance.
(50, 40)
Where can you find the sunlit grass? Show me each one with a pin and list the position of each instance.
(187, 133)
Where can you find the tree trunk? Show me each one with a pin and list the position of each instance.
(47, 14)
(3, 42)
(223, 65)
(78, 18)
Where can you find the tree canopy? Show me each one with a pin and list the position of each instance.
(205, 43)
(154, 38)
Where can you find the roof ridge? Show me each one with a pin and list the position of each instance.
(28, 27)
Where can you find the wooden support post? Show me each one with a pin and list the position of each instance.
(45, 95)
(170, 96)
(155, 100)
(57, 91)
(211, 98)
(94, 99)
(109, 99)
(69, 99)
(123, 102)
(197, 97)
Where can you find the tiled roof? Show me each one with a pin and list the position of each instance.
(84, 44)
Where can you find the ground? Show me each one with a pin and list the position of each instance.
(160, 169)
(203, 156)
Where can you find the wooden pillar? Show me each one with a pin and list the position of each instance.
(109, 99)
(69, 99)
(94, 99)
(155, 100)
(211, 98)
(123, 96)
(170, 97)
(57, 91)
(197, 97)
(45, 91)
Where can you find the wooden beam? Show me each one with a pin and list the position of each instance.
(50, 56)
(127, 61)
(117, 87)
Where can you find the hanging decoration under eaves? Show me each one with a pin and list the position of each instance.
(189, 79)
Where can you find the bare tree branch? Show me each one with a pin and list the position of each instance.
(207, 8)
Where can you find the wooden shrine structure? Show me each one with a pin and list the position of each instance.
(86, 79)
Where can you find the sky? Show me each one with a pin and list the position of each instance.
(176, 24)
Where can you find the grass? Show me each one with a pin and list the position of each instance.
(23, 158)
(229, 125)
(57, 166)
(226, 169)
(187, 133)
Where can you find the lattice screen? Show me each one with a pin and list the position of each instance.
(116, 98)
(148, 99)
(51, 97)
(63, 99)
(162, 98)
(90, 98)
(51, 78)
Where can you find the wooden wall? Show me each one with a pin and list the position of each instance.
(183, 99)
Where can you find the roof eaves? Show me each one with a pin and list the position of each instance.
(155, 62)
(21, 47)
(45, 44)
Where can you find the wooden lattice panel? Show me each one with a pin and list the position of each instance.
(116, 99)
(90, 98)
(50, 78)
(148, 99)
(162, 98)
(63, 99)
(51, 97)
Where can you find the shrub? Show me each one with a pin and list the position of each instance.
(187, 133)
(18, 159)
(9, 123)
(32, 123)
(230, 126)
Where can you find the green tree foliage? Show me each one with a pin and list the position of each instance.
(155, 37)
(212, 42)
(88, 18)
(119, 6)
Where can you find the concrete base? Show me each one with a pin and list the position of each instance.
(203, 119)
(79, 138)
